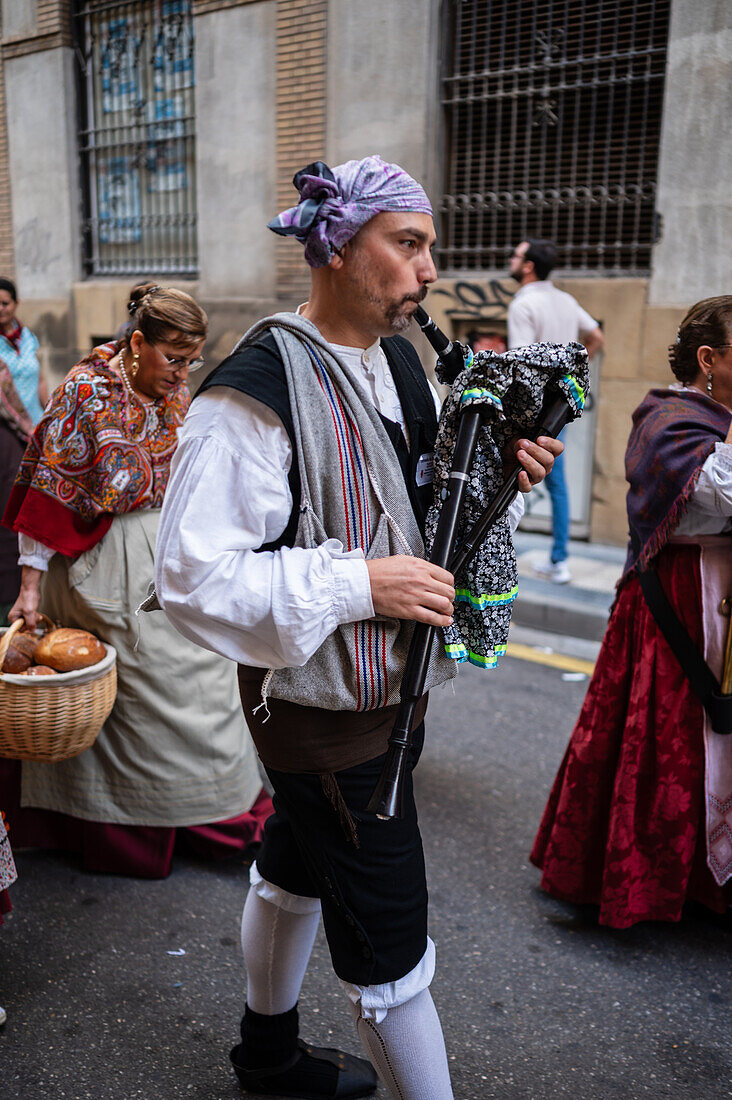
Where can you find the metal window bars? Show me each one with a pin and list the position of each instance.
(135, 61)
(552, 112)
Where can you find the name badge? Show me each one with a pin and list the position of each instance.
(425, 469)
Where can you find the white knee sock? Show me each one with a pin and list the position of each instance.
(276, 945)
(407, 1049)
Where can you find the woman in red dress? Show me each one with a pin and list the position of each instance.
(639, 819)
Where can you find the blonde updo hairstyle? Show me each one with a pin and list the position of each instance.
(164, 314)
(709, 323)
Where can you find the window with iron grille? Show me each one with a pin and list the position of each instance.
(136, 138)
(552, 112)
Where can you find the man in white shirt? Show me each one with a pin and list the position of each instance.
(539, 311)
(307, 450)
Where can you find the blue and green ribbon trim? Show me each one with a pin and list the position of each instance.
(480, 393)
(486, 599)
(575, 389)
(460, 653)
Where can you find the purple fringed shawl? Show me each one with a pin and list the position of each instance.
(673, 434)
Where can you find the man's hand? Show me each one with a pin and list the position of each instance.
(411, 588)
(537, 459)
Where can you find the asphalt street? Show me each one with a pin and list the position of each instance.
(118, 988)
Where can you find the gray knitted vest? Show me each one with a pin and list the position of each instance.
(352, 489)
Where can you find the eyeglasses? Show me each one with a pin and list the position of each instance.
(181, 364)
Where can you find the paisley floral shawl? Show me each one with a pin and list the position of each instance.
(95, 453)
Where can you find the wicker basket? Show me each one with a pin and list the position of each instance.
(51, 718)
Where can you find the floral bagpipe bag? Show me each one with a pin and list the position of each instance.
(510, 388)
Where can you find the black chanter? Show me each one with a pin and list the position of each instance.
(386, 801)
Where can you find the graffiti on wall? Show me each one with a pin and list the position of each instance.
(475, 301)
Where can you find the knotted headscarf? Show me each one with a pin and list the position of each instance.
(336, 203)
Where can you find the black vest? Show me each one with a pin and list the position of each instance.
(257, 370)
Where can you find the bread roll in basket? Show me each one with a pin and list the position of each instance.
(68, 650)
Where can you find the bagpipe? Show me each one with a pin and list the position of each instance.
(563, 398)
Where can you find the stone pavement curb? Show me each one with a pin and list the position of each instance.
(580, 608)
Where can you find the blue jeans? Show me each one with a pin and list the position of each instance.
(557, 488)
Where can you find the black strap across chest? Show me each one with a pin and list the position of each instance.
(703, 682)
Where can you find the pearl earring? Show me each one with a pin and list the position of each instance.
(709, 383)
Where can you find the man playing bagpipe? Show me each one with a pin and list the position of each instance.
(292, 541)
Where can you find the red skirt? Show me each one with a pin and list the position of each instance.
(142, 850)
(624, 824)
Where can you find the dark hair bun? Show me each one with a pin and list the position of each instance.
(164, 313)
(138, 296)
(708, 322)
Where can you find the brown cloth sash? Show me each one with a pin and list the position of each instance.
(312, 740)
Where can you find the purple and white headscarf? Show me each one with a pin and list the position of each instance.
(336, 203)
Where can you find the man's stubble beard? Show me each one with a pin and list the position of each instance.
(399, 320)
(395, 313)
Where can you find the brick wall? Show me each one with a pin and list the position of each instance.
(54, 17)
(301, 60)
(52, 28)
(203, 7)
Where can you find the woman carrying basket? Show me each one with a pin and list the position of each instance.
(174, 752)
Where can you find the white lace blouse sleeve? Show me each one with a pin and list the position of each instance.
(33, 553)
(228, 495)
(710, 509)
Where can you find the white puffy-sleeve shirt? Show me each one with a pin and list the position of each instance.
(228, 495)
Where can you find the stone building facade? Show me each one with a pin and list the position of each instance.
(279, 83)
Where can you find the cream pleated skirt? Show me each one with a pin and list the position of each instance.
(175, 750)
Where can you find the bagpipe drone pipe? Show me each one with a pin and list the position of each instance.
(532, 391)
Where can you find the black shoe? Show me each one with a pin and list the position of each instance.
(314, 1073)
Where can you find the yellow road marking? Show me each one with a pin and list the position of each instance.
(555, 660)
